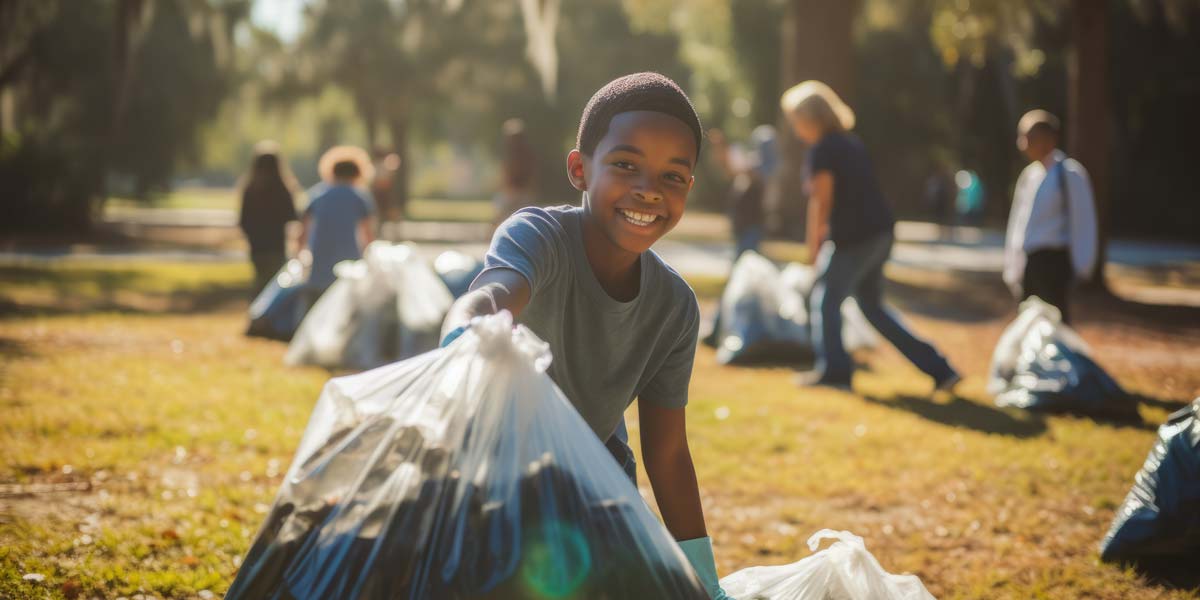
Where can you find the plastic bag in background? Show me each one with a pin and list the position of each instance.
(387, 306)
(279, 307)
(1160, 518)
(457, 271)
(460, 473)
(763, 315)
(843, 571)
(1041, 364)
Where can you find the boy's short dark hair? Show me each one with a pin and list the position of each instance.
(346, 169)
(639, 91)
(1040, 122)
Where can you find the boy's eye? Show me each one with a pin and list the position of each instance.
(676, 177)
(624, 164)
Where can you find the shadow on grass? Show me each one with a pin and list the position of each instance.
(962, 297)
(960, 412)
(115, 300)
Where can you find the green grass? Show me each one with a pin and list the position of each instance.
(181, 429)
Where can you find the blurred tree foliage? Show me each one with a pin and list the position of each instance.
(100, 93)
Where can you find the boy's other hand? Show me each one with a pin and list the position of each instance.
(699, 553)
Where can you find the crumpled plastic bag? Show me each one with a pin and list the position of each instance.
(843, 571)
(763, 315)
(385, 307)
(460, 473)
(457, 271)
(1160, 518)
(279, 307)
(1041, 364)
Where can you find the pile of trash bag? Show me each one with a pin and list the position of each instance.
(843, 571)
(280, 306)
(1160, 518)
(1041, 364)
(460, 473)
(457, 271)
(385, 307)
(763, 315)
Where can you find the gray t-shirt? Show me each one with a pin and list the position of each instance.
(606, 352)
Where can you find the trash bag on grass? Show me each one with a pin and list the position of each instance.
(1041, 364)
(843, 571)
(387, 306)
(457, 271)
(280, 306)
(1160, 518)
(460, 473)
(763, 315)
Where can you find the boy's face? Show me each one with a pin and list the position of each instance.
(638, 178)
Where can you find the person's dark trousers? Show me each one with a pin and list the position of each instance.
(857, 270)
(266, 265)
(1048, 275)
(618, 446)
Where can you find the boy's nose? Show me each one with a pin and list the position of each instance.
(648, 194)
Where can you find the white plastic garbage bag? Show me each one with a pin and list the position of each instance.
(843, 571)
(279, 307)
(460, 473)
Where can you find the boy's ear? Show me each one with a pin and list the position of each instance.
(575, 170)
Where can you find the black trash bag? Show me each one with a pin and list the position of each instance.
(1160, 518)
(460, 473)
(457, 271)
(1041, 364)
(278, 309)
(763, 315)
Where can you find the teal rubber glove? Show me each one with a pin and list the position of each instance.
(454, 335)
(699, 552)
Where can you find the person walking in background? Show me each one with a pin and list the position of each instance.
(383, 185)
(268, 203)
(517, 172)
(1051, 240)
(337, 222)
(747, 212)
(850, 236)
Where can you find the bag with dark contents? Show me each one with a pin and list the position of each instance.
(279, 307)
(843, 571)
(1041, 364)
(1159, 522)
(457, 271)
(385, 307)
(763, 315)
(459, 473)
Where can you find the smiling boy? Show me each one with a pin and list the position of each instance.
(620, 322)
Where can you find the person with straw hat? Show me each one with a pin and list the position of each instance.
(338, 221)
(849, 238)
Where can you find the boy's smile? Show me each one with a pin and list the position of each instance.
(638, 178)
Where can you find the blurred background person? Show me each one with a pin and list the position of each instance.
(518, 165)
(747, 211)
(268, 202)
(383, 185)
(940, 195)
(337, 223)
(850, 236)
(1051, 240)
(968, 203)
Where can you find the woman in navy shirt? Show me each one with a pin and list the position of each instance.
(849, 238)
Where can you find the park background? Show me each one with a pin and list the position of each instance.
(143, 436)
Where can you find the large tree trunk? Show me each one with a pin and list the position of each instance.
(1088, 109)
(817, 43)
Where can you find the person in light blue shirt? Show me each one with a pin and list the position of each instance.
(337, 222)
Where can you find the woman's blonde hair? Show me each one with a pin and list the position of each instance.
(346, 154)
(818, 102)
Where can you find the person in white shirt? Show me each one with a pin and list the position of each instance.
(1051, 241)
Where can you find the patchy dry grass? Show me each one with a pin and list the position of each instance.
(141, 449)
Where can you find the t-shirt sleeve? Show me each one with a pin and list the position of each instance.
(821, 158)
(530, 242)
(668, 387)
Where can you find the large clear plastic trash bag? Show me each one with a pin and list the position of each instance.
(763, 315)
(279, 307)
(387, 306)
(843, 571)
(1041, 364)
(457, 271)
(460, 473)
(1158, 525)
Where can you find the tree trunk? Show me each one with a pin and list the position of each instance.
(817, 43)
(1088, 109)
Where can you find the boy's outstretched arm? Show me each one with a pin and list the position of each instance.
(669, 467)
(494, 290)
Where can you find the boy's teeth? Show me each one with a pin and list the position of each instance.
(637, 218)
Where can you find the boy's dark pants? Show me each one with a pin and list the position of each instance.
(1048, 275)
(618, 446)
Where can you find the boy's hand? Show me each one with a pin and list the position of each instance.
(700, 554)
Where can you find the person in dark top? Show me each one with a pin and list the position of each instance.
(747, 213)
(518, 176)
(267, 206)
(849, 238)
